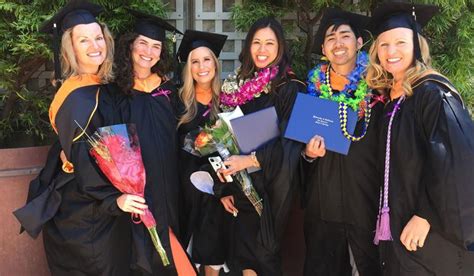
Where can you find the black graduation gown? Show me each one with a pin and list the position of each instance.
(155, 120)
(431, 175)
(344, 189)
(255, 241)
(85, 233)
(202, 214)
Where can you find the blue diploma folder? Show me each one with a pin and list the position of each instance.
(255, 129)
(315, 116)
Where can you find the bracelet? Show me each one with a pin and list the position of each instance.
(307, 158)
(254, 159)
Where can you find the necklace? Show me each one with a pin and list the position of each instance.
(354, 95)
(235, 94)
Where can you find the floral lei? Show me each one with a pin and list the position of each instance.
(353, 93)
(235, 94)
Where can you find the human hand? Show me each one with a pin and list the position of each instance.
(131, 204)
(236, 163)
(315, 147)
(415, 232)
(220, 175)
(228, 202)
(62, 155)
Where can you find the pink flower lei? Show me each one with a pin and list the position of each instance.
(234, 94)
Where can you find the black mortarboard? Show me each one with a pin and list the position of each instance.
(195, 39)
(393, 15)
(332, 16)
(151, 26)
(75, 12)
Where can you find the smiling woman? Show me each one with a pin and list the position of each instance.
(395, 51)
(89, 47)
(198, 104)
(146, 98)
(201, 87)
(203, 67)
(424, 225)
(146, 53)
(264, 80)
(76, 201)
(264, 48)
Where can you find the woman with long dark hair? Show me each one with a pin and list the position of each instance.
(146, 101)
(264, 79)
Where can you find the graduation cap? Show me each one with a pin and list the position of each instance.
(75, 12)
(393, 15)
(155, 28)
(332, 16)
(152, 26)
(194, 39)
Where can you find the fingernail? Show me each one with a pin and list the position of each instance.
(235, 214)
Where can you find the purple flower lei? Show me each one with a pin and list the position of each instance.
(238, 95)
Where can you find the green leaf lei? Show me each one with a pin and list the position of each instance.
(352, 94)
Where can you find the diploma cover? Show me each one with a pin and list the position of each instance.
(255, 129)
(315, 116)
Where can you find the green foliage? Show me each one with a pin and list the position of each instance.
(244, 15)
(22, 52)
(117, 17)
(453, 55)
(24, 108)
(449, 34)
(297, 57)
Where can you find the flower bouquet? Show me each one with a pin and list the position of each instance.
(219, 137)
(116, 150)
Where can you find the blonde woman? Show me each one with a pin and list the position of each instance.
(86, 227)
(426, 211)
(202, 214)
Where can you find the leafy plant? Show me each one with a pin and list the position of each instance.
(244, 15)
(23, 54)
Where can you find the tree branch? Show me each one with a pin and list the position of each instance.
(27, 69)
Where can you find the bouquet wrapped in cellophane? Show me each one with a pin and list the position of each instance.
(116, 149)
(219, 137)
